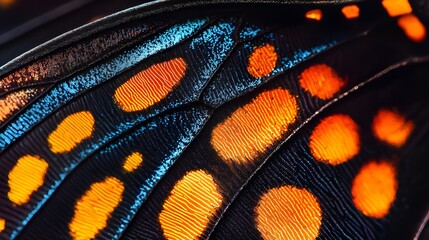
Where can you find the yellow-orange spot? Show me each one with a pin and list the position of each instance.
(192, 202)
(252, 129)
(335, 139)
(150, 85)
(350, 11)
(321, 81)
(374, 188)
(94, 208)
(397, 7)
(6, 3)
(392, 128)
(11, 103)
(315, 14)
(288, 212)
(2, 224)
(412, 27)
(262, 61)
(71, 131)
(25, 178)
(133, 161)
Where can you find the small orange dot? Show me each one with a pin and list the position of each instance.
(412, 27)
(397, 7)
(262, 61)
(132, 162)
(321, 81)
(335, 139)
(2, 224)
(351, 11)
(374, 188)
(315, 14)
(390, 127)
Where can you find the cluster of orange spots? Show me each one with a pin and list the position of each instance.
(374, 188)
(14, 101)
(350, 11)
(262, 61)
(412, 27)
(251, 129)
(192, 202)
(25, 178)
(335, 139)
(6, 3)
(315, 14)
(390, 127)
(288, 212)
(94, 208)
(71, 131)
(132, 162)
(397, 7)
(2, 224)
(150, 85)
(321, 81)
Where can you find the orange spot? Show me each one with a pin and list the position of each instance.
(251, 129)
(71, 131)
(321, 81)
(192, 202)
(6, 3)
(25, 178)
(132, 162)
(2, 224)
(150, 85)
(351, 11)
(412, 27)
(335, 139)
(392, 128)
(288, 212)
(262, 61)
(374, 188)
(12, 102)
(94, 208)
(315, 14)
(397, 7)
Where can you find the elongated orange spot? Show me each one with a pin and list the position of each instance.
(288, 212)
(94, 208)
(390, 127)
(412, 27)
(192, 202)
(2, 224)
(335, 139)
(12, 102)
(251, 129)
(321, 81)
(350, 11)
(262, 61)
(25, 178)
(397, 7)
(71, 131)
(150, 85)
(133, 161)
(315, 14)
(374, 188)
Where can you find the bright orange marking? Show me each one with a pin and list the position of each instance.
(397, 7)
(11, 103)
(262, 61)
(150, 85)
(335, 139)
(71, 131)
(315, 14)
(350, 11)
(2, 224)
(321, 81)
(374, 188)
(392, 128)
(133, 161)
(412, 27)
(6, 3)
(288, 212)
(94, 208)
(192, 202)
(25, 178)
(251, 129)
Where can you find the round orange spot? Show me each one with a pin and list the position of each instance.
(335, 139)
(288, 212)
(71, 131)
(315, 14)
(397, 7)
(390, 127)
(350, 11)
(412, 27)
(192, 202)
(133, 161)
(321, 81)
(95, 207)
(374, 188)
(251, 129)
(150, 85)
(25, 178)
(262, 61)
(2, 224)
